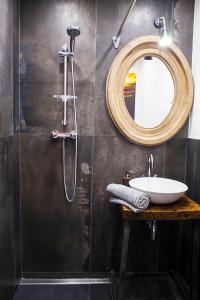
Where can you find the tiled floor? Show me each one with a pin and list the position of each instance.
(136, 287)
(150, 287)
(63, 292)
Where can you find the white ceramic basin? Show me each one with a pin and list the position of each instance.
(160, 190)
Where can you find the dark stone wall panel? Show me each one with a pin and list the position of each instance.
(42, 114)
(56, 234)
(113, 156)
(197, 170)
(191, 166)
(10, 267)
(6, 61)
(139, 23)
(183, 25)
(16, 77)
(95, 224)
(175, 159)
(43, 32)
(9, 220)
(17, 203)
(185, 232)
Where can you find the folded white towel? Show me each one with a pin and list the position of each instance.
(134, 199)
(125, 203)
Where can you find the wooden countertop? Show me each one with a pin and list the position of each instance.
(183, 209)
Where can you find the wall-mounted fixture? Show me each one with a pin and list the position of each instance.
(72, 135)
(165, 38)
(116, 38)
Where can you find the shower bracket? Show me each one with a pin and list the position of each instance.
(116, 40)
(65, 53)
(64, 98)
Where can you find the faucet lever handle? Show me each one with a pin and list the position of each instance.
(152, 162)
(150, 165)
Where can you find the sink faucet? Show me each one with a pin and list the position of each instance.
(150, 166)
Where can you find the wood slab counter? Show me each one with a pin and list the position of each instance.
(183, 209)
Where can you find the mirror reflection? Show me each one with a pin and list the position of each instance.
(148, 91)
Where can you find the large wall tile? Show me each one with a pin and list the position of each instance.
(112, 157)
(183, 25)
(10, 266)
(139, 23)
(56, 234)
(191, 166)
(9, 220)
(6, 61)
(43, 32)
(82, 236)
(175, 159)
(197, 172)
(16, 77)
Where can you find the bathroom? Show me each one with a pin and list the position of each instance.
(53, 249)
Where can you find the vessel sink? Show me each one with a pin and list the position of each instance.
(160, 190)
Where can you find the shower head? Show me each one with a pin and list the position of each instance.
(73, 31)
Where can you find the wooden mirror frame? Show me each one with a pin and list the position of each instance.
(181, 73)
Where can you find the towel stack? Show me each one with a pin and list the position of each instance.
(135, 200)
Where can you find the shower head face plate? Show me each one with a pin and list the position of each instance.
(73, 31)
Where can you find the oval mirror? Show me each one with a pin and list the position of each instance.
(148, 91)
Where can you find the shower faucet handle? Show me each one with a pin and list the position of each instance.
(64, 98)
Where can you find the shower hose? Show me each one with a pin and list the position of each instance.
(71, 197)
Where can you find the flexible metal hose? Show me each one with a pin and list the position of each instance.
(68, 198)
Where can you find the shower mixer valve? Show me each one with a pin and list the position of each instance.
(64, 98)
(55, 134)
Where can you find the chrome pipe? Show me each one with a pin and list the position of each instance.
(116, 39)
(64, 123)
(72, 135)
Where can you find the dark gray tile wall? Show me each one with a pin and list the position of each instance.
(193, 182)
(82, 237)
(63, 244)
(118, 155)
(10, 270)
(9, 261)
(56, 233)
(6, 75)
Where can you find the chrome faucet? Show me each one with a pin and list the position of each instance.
(150, 166)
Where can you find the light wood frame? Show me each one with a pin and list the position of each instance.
(180, 71)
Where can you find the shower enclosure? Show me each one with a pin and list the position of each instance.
(68, 57)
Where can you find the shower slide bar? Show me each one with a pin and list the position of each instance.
(68, 59)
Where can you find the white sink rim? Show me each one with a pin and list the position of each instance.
(160, 190)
